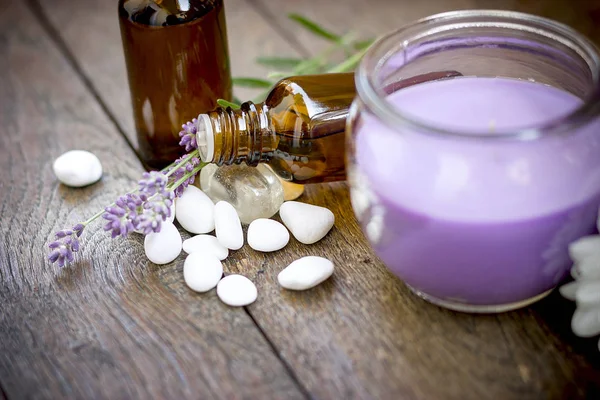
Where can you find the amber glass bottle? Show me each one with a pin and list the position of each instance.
(178, 65)
(299, 130)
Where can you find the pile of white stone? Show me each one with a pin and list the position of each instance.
(203, 268)
(256, 192)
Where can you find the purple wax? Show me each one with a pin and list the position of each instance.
(474, 220)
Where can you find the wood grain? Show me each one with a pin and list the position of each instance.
(112, 325)
(364, 335)
(116, 326)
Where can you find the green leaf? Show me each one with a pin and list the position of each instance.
(252, 82)
(225, 103)
(314, 27)
(279, 62)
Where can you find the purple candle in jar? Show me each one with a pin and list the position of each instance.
(470, 187)
(472, 220)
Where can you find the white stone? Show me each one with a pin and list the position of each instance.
(588, 293)
(308, 223)
(585, 247)
(228, 226)
(195, 211)
(202, 271)
(586, 321)
(568, 290)
(254, 192)
(77, 168)
(267, 235)
(205, 244)
(305, 273)
(164, 246)
(171, 218)
(236, 291)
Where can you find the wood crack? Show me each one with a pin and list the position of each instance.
(285, 364)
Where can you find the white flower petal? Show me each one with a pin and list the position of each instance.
(589, 269)
(586, 321)
(588, 293)
(568, 290)
(585, 248)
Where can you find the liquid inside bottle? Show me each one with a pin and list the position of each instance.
(178, 65)
(299, 130)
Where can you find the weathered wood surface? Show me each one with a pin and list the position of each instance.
(113, 325)
(116, 326)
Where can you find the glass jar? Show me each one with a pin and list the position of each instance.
(470, 186)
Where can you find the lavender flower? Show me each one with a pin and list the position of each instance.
(142, 211)
(66, 243)
(182, 171)
(123, 217)
(156, 210)
(152, 182)
(188, 135)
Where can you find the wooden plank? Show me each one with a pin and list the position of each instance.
(112, 325)
(364, 335)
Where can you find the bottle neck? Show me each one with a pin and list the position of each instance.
(226, 136)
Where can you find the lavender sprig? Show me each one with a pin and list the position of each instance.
(66, 243)
(123, 216)
(155, 211)
(180, 172)
(153, 182)
(143, 210)
(188, 135)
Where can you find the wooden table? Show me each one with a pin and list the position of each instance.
(116, 326)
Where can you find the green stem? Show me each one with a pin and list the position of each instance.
(186, 176)
(93, 217)
(182, 162)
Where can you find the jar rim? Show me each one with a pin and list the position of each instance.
(374, 98)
